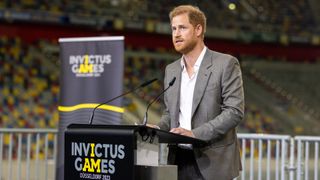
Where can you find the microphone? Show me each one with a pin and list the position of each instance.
(145, 119)
(130, 91)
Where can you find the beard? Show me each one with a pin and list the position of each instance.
(186, 47)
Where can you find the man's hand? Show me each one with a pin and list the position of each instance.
(182, 131)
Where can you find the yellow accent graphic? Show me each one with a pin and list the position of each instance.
(90, 106)
(92, 149)
(86, 164)
(90, 165)
(95, 165)
(86, 67)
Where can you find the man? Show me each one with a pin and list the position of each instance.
(205, 102)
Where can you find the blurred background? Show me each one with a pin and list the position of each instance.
(276, 41)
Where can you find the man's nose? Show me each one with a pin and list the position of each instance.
(176, 33)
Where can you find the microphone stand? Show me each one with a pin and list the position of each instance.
(128, 92)
(145, 119)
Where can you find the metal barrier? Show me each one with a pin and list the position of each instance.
(270, 149)
(27, 153)
(31, 154)
(303, 144)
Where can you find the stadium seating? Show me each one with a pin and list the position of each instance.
(30, 87)
(285, 99)
(281, 97)
(248, 15)
(296, 81)
(29, 90)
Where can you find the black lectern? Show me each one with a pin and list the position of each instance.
(118, 152)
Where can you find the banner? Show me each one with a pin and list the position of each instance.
(91, 73)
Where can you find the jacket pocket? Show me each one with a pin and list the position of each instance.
(226, 140)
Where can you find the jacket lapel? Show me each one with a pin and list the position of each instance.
(202, 80)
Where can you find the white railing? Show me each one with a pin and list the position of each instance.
(304, 158)
(270, 150)
(27, 153)
(31, 154)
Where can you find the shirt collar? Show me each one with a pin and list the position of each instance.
(198, 62)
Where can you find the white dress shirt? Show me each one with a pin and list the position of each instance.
(187, 90)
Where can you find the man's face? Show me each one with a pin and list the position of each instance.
(184, 37)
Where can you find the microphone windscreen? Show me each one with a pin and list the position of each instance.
(172, 81)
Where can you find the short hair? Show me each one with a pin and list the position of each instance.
(196, 16)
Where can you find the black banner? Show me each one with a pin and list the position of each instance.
(91, 73)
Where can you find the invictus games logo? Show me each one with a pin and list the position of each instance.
(96, 160)
(89, 65)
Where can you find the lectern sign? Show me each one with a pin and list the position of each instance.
(98, 155)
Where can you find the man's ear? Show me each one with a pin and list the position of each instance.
(199, 30)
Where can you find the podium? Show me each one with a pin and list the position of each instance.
(119, 152)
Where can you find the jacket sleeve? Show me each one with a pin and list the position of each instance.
(164, 122)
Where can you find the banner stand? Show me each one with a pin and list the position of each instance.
(91, 72)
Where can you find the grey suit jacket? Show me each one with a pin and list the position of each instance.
(218, 107)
